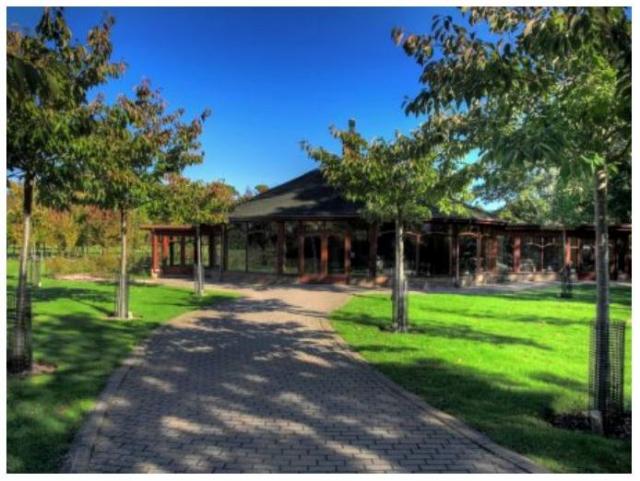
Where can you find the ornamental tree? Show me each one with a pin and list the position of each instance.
(136, 144)
(400, 181)
(48, 77)
(194, 202)
(550, 88)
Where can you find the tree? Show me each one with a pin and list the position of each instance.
(194, 202)
(401, 181)
(551, 87)
(261, 188)
(137, 143)
(48, 77)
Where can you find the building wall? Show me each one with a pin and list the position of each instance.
(353, 250)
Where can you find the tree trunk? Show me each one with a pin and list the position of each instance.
(399, 282)
(20, 353)
(601, 360)
(122, 303)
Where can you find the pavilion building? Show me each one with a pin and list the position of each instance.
(305, 230)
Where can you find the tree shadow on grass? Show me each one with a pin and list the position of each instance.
(455, 332)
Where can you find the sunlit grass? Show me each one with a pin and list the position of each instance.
(71, 330)
(500, 362)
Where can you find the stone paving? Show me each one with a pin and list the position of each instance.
(262, 384)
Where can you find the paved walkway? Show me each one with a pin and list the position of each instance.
(262, 384)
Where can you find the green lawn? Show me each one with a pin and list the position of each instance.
(71, 330)
(499, 362)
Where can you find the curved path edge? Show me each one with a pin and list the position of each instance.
(454, 423)
(77, 459)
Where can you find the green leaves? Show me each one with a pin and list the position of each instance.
(549, 88)
(48, 77)
(404, 178)
(135, 144)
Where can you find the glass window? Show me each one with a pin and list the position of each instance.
(468, 254)
(236, 239)
(360, 250)
(504, 261)
(530, 253)
(189, 251)
(291, 248)
(552, 253)
(335, 247)
(312, 254)
(410, 253)
(434, 255)
(588, 254)
(312, 226)
(262, 239)
(386, 250)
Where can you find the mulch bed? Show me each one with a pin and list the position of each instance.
(619, 425)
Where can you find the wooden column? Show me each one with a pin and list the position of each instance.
(567, 247)
(347, 253)
(516, 253)
(542, 241)
(165, 247)
(280, 248)
(155, 261)
(183, 248)
(493, 254)
(171, 249)
(324, 255)
(373, 249)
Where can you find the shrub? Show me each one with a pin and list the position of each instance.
(104, 265)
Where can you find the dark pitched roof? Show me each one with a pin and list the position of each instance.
(309, 196)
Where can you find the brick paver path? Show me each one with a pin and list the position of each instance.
(262, 384)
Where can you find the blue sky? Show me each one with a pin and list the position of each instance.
(272, 76)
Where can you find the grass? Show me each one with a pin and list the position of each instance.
(501, 363)
(71, 330)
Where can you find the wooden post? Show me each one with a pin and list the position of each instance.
(165, 247)
(280, 248)
(155, 261)
(516, 253)
(493, 254)
(567, 247)
(542, 242)
(373, 249)
(324, 255)
(347, 253)
(183, 248)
